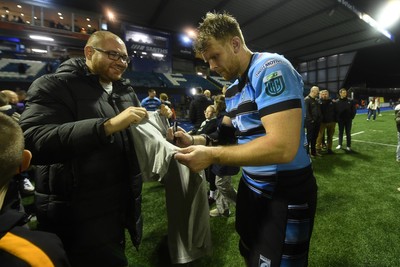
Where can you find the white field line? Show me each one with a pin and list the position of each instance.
(373, 143)
(367, 142)
(344, 135)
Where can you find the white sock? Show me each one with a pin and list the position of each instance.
(212, 194)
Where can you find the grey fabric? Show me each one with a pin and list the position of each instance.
(189, 235)
(225, 194)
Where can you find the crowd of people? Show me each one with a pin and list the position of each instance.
(77, 126)
(322, 113)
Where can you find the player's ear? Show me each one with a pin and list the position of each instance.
(236, 44)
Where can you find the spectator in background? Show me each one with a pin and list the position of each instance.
(165, 101)
(151, 103)
(8, 109)
(397, 118)
(371, 109)
(88, 181)
(313, 120)
(328, 122)
(345, 111)
(225, 193)
(208, 126)
(14, 100)
(207, 93)
(12, 96)
(21, 95)
(378, 105)
(20, 246)
(21, 99)
(196, 109)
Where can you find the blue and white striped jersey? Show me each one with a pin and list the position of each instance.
(270, 85)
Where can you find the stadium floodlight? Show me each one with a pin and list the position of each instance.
(373, 23)
(389, 14)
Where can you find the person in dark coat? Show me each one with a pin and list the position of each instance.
(19, 246)
(345, 110)
(397, 119)
(313, 119)
(76, 124)
(196, 109)
(328, 121)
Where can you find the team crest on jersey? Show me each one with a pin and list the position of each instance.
(264, 261)
(274, 83)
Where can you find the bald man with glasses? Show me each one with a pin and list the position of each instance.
(88, 189)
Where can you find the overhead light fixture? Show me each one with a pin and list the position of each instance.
(186, 39)
(157, 55)
(373, 23)
(191, 33)
(110, 15)
(41, 38)
(41, 51)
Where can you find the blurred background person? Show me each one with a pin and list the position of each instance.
(345, 111)
(328, 122)
(151, 103)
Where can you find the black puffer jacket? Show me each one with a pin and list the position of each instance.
(313, 110)
(88, 187)
(327, 110)
(345, 109)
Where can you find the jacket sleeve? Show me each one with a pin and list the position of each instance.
(192, 112)
(309, 116)
(50, 130)
(353, 109)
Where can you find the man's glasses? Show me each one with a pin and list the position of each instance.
(114, 55)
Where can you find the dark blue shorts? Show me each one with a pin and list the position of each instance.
(275, 230)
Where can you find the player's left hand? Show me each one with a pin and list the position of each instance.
(197, 158)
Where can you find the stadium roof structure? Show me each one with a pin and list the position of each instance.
(299, 29)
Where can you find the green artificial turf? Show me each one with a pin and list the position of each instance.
(357, 220)
(356, 223)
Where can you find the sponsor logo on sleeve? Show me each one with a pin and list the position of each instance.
(269, 64)
(274, 83)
